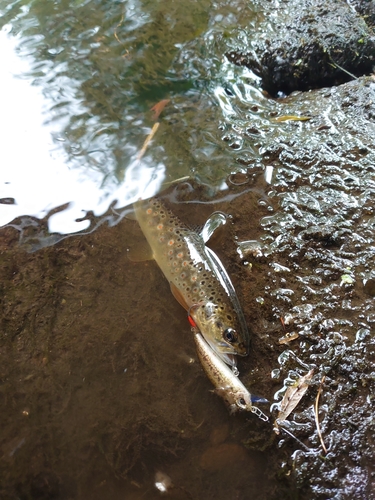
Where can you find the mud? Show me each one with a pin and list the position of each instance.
(100, 383)
(306, 45)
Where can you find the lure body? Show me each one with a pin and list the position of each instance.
(226, 383)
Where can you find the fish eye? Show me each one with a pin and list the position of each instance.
(230, 335)
(241, 403)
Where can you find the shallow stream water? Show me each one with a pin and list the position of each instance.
(86, 76)
(101, 391)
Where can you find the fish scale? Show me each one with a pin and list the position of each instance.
(195, 281)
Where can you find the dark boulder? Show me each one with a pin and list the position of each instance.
(311, 44)
(366, 8)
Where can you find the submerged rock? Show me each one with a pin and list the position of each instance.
(308, 44)
(224, 456)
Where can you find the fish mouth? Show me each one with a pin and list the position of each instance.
(225, 349)
(226, 352)
(229, 359)
(242, 350)
(243, 354)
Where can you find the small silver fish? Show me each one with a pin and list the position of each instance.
(197, 278)
(226, 383)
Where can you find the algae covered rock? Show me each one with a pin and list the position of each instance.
(309, 44)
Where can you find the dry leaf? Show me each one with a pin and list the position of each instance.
(288, 337)
(293, 396)
(158, 108)
(286, 118)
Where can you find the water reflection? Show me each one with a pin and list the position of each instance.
(90, 73)
(37, 171)
(33, 172)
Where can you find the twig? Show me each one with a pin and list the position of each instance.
(283, 324)
(117, 38)
(119, 24)
(335, 65)
(148, 139)
(316, 408)
(296, 438)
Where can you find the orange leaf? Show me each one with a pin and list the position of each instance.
(158, 108)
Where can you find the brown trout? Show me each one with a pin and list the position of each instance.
(197, 278)
(226, 383)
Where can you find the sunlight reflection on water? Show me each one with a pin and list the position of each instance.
(35, 173)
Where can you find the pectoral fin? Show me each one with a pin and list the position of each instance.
(178, 296)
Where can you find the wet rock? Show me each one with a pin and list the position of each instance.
(219, 434)
(311, 44)
(369, 287)
(366, 8)
(322, 230)
(44, 486)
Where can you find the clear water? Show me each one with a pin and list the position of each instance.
(80, 79)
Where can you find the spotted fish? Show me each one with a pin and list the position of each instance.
(197, 278)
